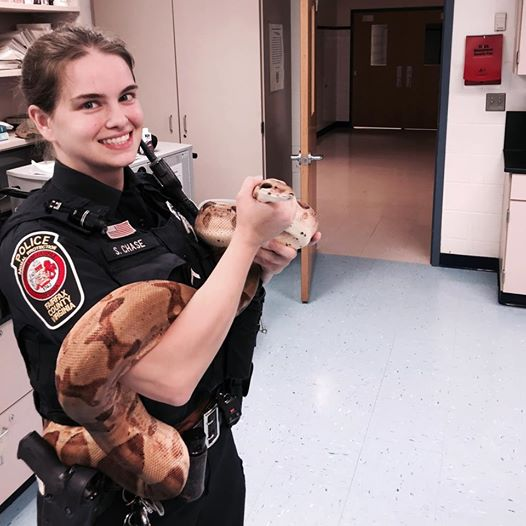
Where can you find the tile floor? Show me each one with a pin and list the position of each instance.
(394, 398)
(375, 193)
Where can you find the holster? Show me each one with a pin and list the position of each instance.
(74, 495)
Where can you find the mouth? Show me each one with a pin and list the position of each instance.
(121, 140)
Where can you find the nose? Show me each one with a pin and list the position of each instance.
(116, 116)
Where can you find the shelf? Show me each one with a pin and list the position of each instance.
(8, 7)
(10, 72)
(15, 142)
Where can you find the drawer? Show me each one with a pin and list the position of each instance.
(518, 187)
(14, 383)
(15, 423)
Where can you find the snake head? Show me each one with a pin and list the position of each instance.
(273, 190)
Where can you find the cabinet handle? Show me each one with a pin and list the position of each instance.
(170, 123)
(185, 128)
(3, 433)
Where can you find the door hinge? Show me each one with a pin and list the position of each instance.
(262, 128)
(508, 215)
(517, 58)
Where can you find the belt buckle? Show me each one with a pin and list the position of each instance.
(211, 425)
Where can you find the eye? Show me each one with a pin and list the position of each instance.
(90, 105)
(128, 97)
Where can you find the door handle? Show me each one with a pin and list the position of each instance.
(409, 77)
(399, 76)
(305, 159)
(185, 128)
(170, 123)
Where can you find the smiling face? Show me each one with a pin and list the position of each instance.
(96, 125)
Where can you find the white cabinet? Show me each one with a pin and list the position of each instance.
(207, 56)
(17, 413)
(513, 245)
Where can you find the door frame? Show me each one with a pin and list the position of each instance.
(445, 71)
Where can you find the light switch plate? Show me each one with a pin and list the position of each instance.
(495, 101)
(500, 21)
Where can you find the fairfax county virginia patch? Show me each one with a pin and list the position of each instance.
(47, 278)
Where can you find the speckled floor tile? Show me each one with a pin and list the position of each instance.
(394, 398)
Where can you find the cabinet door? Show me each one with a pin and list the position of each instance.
(219, 79)
(147, 29)
(14, 383)
(515, 269)
(15, 423)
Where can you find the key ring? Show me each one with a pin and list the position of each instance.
(141, 509)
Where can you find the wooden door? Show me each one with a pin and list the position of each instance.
(219, 78)
(154, 55)
(396, 67)
(307, 128)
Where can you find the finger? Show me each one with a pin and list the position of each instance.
(281, 249)
(248, 185)
(315, 239)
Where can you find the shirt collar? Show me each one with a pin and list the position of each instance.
(82, 185)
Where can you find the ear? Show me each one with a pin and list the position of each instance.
(42, 121)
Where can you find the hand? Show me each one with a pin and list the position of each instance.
(273, 257)
(259, 222)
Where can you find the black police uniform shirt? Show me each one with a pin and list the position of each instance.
(52, 271)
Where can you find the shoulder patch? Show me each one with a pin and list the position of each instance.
(47, 278)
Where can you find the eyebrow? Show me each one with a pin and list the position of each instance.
(89, 96)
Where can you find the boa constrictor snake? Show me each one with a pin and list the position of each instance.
(118, 437)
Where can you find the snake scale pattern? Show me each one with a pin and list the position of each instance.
(116, 435)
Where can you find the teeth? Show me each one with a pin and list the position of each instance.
(117, 140)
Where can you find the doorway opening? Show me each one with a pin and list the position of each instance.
(379, 79)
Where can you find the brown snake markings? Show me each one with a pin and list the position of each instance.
(116, 435)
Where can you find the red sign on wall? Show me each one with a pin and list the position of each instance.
(483, 62)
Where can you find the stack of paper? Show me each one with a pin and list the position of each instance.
(14, 45)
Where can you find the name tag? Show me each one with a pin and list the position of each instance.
(130, 246)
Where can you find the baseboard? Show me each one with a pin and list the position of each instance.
(469, 262)
(509, 299)
(334, 125)
(512, 300)
(17, 493)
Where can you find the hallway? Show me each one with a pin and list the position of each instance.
(375, 193)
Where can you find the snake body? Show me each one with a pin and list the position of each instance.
(116, 435)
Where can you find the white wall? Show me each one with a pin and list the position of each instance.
(474, 165)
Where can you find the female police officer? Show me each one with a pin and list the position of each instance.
(82, 97)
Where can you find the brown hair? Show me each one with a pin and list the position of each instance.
(46, 58)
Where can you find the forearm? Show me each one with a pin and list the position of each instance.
(170, 372)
